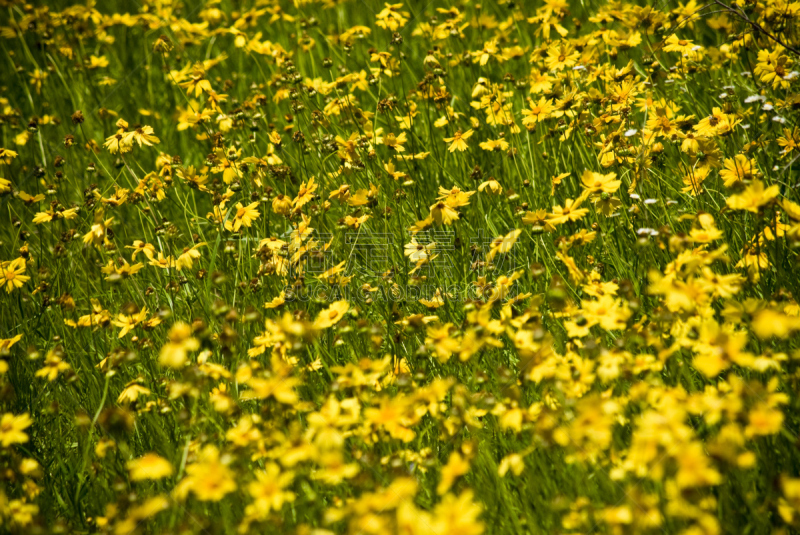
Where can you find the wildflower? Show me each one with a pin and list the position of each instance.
(147, 249)
(12, 429)
(189, 255)
(53, 365)
(305, 194)
(142, 136)
(245, 215)
(536, 113)
(149, 466)
(457, 515)
(12, 274)
(331, 315)
(416, 251)
(132, 392)
(754, 197)
(268, 491)
(209, 478)
(571, 211)
(391, 18)
(174, 353)
(442, 213)
(458, 141)
(456, 466)
(739, 169)
(596, 183)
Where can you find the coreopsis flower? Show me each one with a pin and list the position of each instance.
(717, 123)
(536, 113)
(53, 365)
(560, 56)
(244, 216)
(12, 274)
(773, 67)
(739, 169)
(98, 234)
(596, 183)
(149, 466)
(494, 144)
(132, 392)
(174, 353)
(683, 46)
(416, 251)
(492, 186)
(123, 270)
(209, 478)
(147, 249)
(186, 259)
(331, 315)
(754, 197)
(127, 323)
(142, 136)
(443, 214)
(305, 194)
(790, 141)
(8, 343)
(571, 211)
(12, 429)
(502, 244)
(458, 141)
(163, 262)
(457, 514)
(456, 467)
(269, 492)
(454, 197)
(391, 17)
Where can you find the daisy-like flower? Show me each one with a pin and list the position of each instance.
(305, 194)
(142, 136)
(189, 255)
(12, 429)
(149, 466)
(458, 141)
(738, 169)
(443, 213)
(416, 251)
(595, 183)
(245, 215)
(571, 211)
(12, 274)
(331, 315)
(537, 113)
(754, 197)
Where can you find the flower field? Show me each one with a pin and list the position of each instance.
(344, 266)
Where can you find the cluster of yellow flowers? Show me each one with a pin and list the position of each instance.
(420, 268)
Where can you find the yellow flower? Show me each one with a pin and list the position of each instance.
(53, 365)
(12, 274)
(442, 213)
(174, 353)
(12, 429)
(458, 141)
(331, 315)
(739, 169)
(245, 215)
(596, 183)
(209, 479)
(268, 491)
(132, 392)
(754, 197)
(149, 466)
(456, 467)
